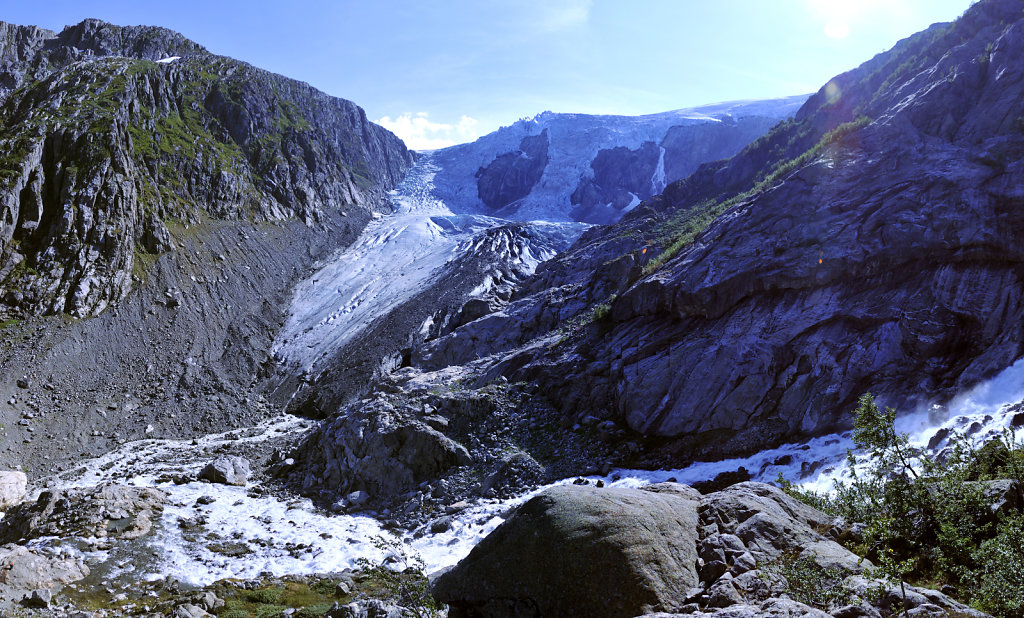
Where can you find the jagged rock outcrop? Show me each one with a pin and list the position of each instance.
(114, 511)
(424, 442)
(878, 254)
(511, 176)
(568, 167)
(106, 148)
(576, 550)
(622, 178)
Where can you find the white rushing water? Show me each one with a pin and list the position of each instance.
(281, 536)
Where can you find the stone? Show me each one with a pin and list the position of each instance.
(579, 550)
(12, 488)
(515, 473)
(26, 570)
(375, 448)
(227, 470)
(209, 601)
(357, 498)
(1006, 496)
(187, 610)
(370, 608)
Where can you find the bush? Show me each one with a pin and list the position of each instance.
(266, 596)
(809, 584)
(929, 521)
(404, 583)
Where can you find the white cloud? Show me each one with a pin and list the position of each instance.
(565, 14)
(420, 133)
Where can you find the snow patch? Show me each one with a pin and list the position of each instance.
(168, 59)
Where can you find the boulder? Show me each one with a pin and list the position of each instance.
(12, 488)
(513, 475)
(376, 449)
(1006, 496)
(770, 523)
(369, 608)
(26, 570)
(228, 470)
(582, 551)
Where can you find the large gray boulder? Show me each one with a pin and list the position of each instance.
(25, 570)
(582, 551)
(376, 448)
(228, 470)
(12, 488)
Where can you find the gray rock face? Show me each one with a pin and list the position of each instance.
(12, 488)
(83, 186)
(622, 178)
(582, 551)
(229, 470)
(512, 175)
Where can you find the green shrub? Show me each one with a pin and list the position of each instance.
(404, 583)
(929, 521)
(266, 596)
(1000, 571)
(810, 584)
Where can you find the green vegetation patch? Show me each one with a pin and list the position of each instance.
(682, 228)
(930, 521)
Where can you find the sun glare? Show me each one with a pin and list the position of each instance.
(837, 29)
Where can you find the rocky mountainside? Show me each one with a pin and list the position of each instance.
(157, 204)
(594, 169)
(866, 244)
(106, 147)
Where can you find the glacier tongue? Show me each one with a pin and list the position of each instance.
(393, 259)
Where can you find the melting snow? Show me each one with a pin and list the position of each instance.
(168, 59)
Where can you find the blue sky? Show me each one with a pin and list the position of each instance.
(439, 73)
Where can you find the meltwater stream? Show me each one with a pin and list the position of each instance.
(279, 536)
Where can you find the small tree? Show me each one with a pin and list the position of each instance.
(401, 576)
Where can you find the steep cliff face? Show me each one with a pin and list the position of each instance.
(568, 167)
(869, 244)
(511, 176)
(106, 149)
